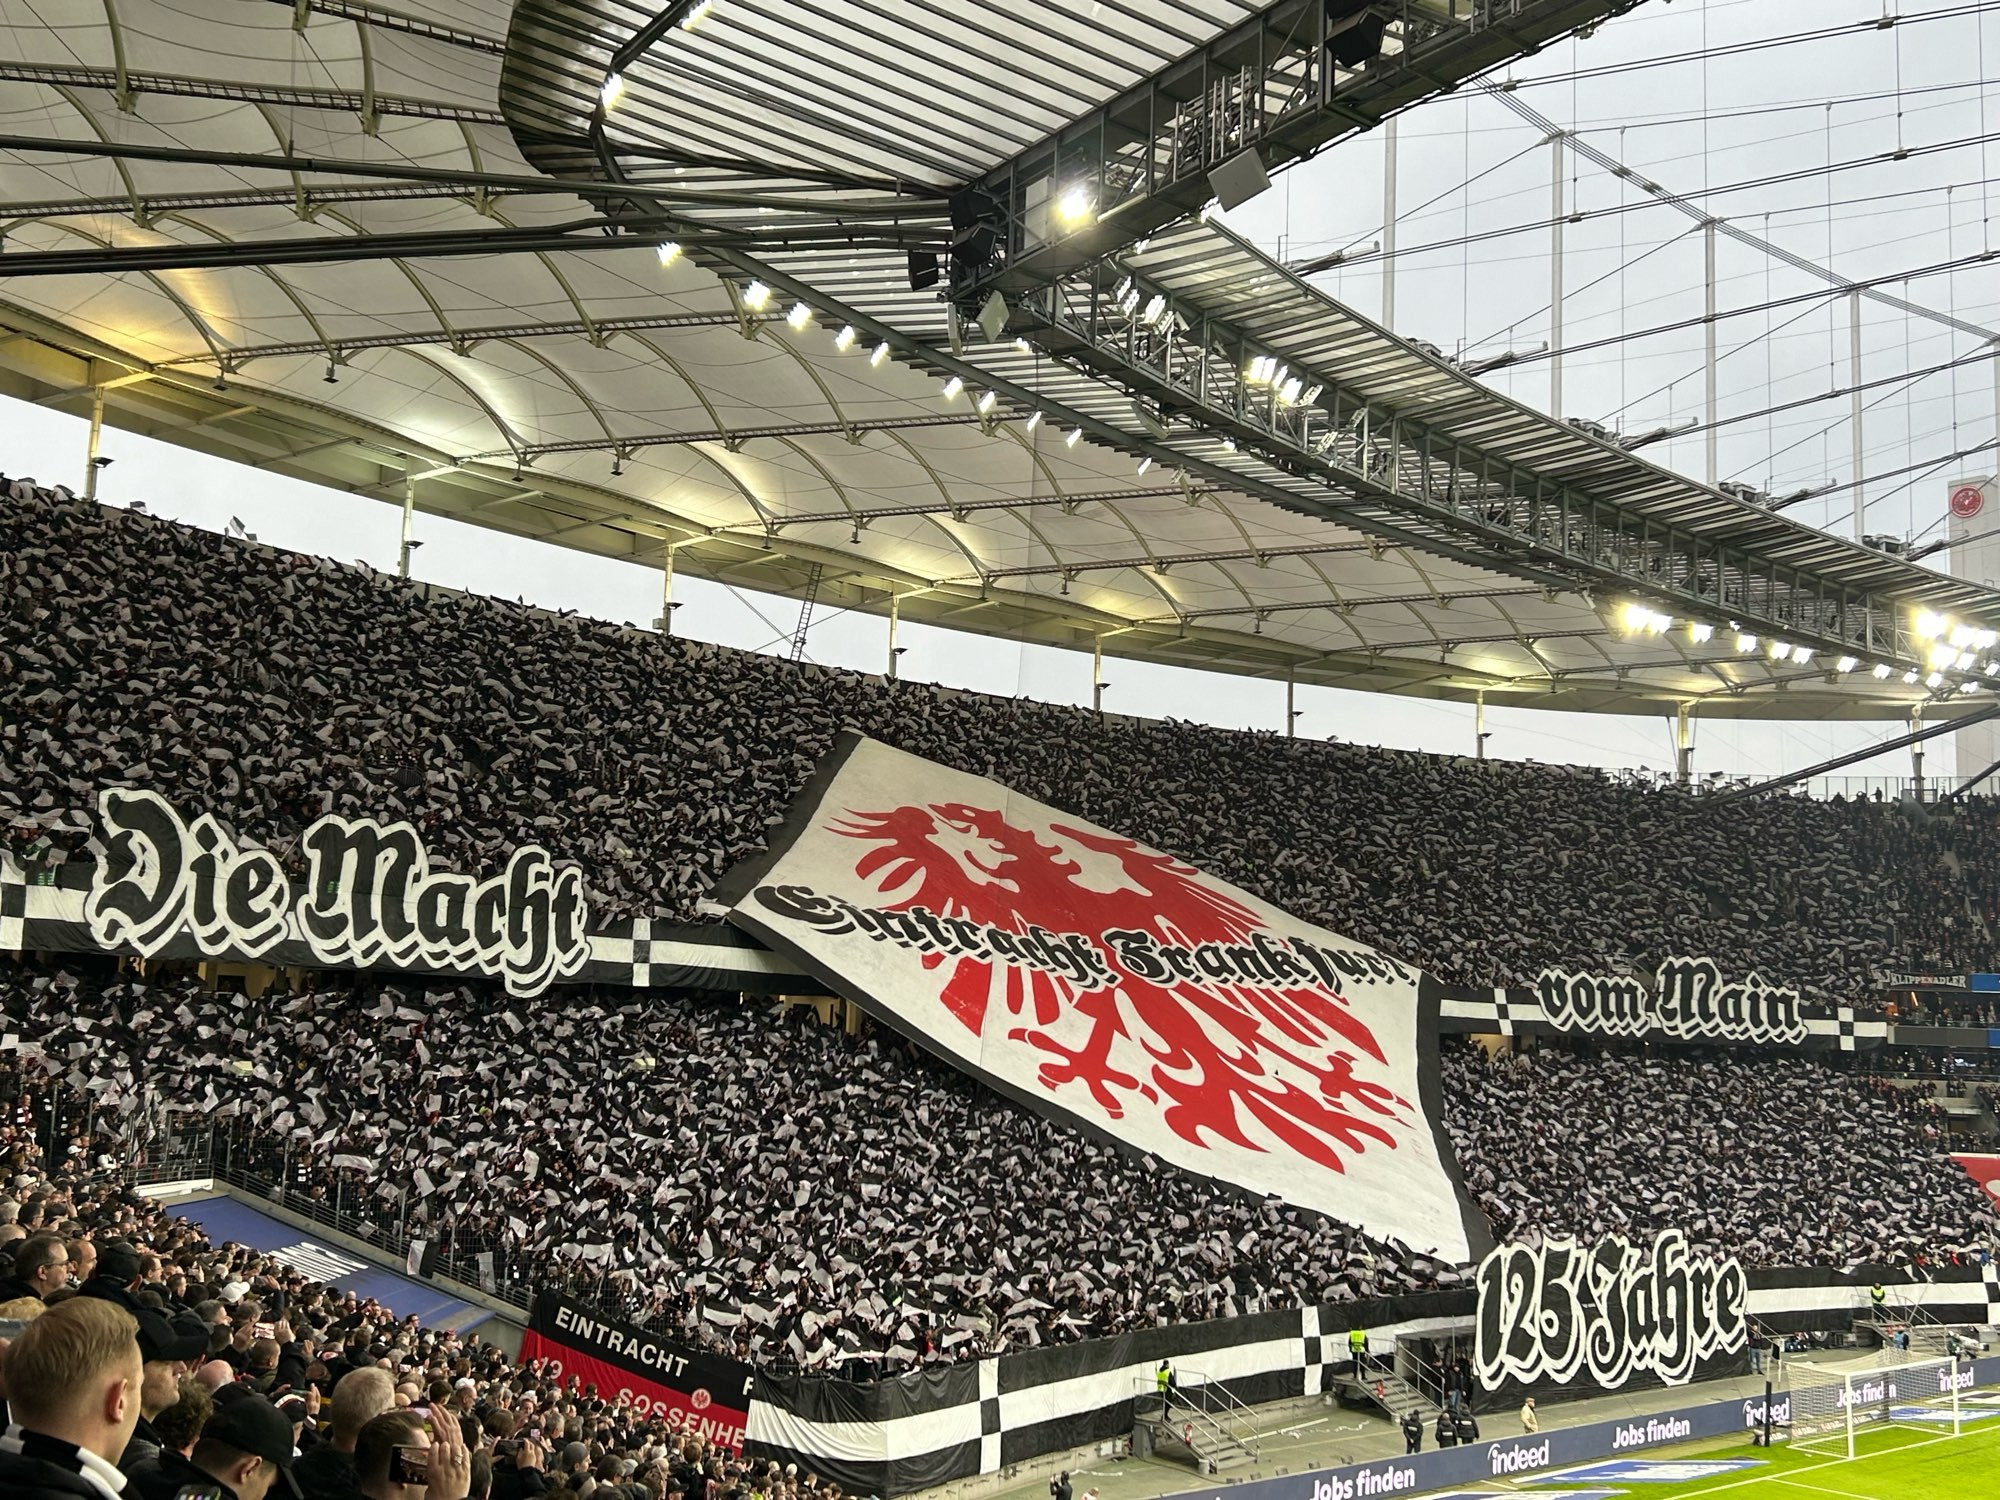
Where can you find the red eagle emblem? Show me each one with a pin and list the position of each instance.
(1261, 1066)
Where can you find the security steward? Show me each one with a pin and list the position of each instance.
(244, 1453)
(1413, 1431)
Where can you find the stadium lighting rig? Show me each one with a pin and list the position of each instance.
(686, 14)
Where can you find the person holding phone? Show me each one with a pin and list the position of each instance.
(402, 1456)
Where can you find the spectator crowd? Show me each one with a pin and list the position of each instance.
(1778, 1158)
(269, 688)
(761, 1186)
(138, 1357)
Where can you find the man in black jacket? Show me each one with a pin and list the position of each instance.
(327, 1471)
(1413, 1431)
(244, 1453)
(73, 1380)
(170, 1353)
(41, 1268)
(116, 1278)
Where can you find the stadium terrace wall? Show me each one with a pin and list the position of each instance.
(950, 1422)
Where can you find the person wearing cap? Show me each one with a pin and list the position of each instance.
(243, 1453)
(115, 1279)
(169, 1352)
(73, 1379)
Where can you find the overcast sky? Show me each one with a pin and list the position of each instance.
(1473, 272)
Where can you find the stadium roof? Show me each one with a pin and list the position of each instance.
(375, 248)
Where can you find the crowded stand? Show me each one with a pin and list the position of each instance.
(270, 688)
(742, 1177)
(772, 1189)
(1778, 1159)
(765, 1187)
(334, 1377)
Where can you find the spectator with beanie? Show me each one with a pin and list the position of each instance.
(245, 1450)
(169, 1354)
(73, 1382)
(115, 1277)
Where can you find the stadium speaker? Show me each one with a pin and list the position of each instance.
(1238, 180)
(1353, 33)
(993, 317)
(924, 270)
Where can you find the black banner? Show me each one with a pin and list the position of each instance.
(1559, 1312)
(692, 1392)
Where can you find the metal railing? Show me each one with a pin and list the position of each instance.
(1208, 1406)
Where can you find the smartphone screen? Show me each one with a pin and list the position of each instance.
(265, 1330)
(409, 1465)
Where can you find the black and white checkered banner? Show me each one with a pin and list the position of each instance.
(43, 912)
(894, 1436)
(1690, 1003)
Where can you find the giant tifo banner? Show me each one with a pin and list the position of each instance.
(176, 884)
(694, 1393)
(1110, 985)
(1984, 1170)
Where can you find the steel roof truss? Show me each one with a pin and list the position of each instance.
(1197, 370)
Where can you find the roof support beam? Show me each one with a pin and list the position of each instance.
(1211, 381)
(1275, 84)
(732, 438)
(910, 206)
(583, 235)
(343, 101)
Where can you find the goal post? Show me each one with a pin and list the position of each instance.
(1831, 1404)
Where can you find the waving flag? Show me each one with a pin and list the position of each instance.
(1108, 984)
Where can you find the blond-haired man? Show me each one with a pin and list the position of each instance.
(73, 1383)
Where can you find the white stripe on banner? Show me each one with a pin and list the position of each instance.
(1065, 1398)
(1765, 1301)
(864, 1442)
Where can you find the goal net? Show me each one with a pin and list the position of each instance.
(1830, 1404)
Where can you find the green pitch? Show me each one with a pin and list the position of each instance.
(1891, 1463)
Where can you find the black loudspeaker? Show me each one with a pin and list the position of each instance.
(1355, 37)
(924, 270)
(977, 220)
